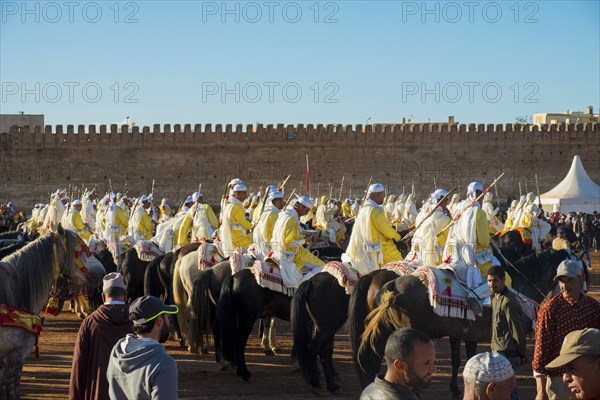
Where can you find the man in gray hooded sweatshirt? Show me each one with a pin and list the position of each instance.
(139, 366)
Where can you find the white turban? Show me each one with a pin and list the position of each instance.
(473, 188)
(376, 188)
(188, 199)
(196, 196)
(438, 194)
(144, 198)
(305, 201)
(76, 202)
(240, 187)
(275, 195)
(235, 182)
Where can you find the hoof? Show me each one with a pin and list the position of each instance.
(317, 391)
(335, 389)
(225, 367)
(269, 352)
(276, 350)
(205, 351)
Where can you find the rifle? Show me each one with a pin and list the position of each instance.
(497, 198)
(289, 198)
(341, 188)
(458, 215)
(330, 191)
(110, 185)
(412, 232)
(284, 182)
(367, 191)
(537, 187)
(520, 192)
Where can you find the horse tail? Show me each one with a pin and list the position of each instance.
(180, 300)
(358, 310)
(226, 322)
(200, 309)
(152, 284)
(302, 327)
(379, 325)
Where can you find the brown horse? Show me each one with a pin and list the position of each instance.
(405, 301)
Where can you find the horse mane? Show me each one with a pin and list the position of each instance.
(27, 278)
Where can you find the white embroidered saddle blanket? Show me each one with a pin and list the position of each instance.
(404, 267)
(268, 276)
(346, 276)
(147, 250)
(208, 256)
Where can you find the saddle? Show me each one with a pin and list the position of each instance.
(345, 275)
(267, 275)
(147, 250)
(208, 256)
(402, 268)
(447, 296)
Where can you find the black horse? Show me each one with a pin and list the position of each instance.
(405, 300)
(242, 301)
(133, 270)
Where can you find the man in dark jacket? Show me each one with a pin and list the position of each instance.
(508, 333)
(410, 357)
(97, 336)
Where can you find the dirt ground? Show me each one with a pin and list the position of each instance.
(200, 378)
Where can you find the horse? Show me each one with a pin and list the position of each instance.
(241, 302)
(321, 303)
(27, 277)
(404, 301)
(133, 270)
(203, 302)
(11, 248)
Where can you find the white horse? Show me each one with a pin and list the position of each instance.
(26, 278)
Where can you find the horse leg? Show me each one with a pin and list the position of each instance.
(326, 356)
(273, 337)
(455, 361)
(245, 329)
(263, 333)
(471, 348)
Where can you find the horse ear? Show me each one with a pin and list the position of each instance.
(60, 229)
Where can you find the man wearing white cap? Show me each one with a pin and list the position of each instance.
(371, 244)
(263, 231)
(235, 228)
(97, 335)
(287, 244)
(488, 376)
(72, 221)
(165, 211)
(568, 311)
(201, 219)
(469, 238)
(256, 213)
(141, 222)
(429, 239)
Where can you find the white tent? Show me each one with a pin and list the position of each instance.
(576, 193)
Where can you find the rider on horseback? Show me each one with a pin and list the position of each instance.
(287, 245)
(263, 231)
(372, 241)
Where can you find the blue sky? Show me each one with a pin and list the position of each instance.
(305, 61)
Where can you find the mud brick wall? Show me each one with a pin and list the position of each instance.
(37, 160)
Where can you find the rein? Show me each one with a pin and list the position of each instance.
(516, 269)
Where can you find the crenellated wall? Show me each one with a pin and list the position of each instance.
(36, 161)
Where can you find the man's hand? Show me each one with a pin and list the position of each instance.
(540, 384)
